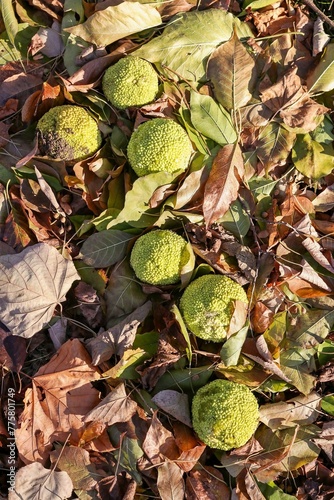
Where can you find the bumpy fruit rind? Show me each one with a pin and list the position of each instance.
(132, 81)
(225, 414)
(69, 133)
(159, 145)
(158, 257)
(207, 306)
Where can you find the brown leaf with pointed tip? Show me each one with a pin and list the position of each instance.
(223, 183)
(116, 407)
(190, 448)
(238, 318)
(170, 482)
(261, 317)
(60, 396)
(174, 403)
(232, 72)
(285, 92)
(118, 338)
(159, 443)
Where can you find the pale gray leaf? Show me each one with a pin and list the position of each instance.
(32, 283)
(34, 481)
(175, 403)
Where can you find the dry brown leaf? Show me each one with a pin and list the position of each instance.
(48, 41)
(76, 462)
(261, 317)
(116, 407)
(4, 135)
(166, 356)
(223, 183)
(19, 86)
(190, 448)
(301, 410)
(232, 72)
(90, 73)
(9, 108)
(302, 114)
(238, 318)
(285, 92)
(159, 443)
(168, 10)
(206, 483)
(247, 487)
(315, 250)
(34, 481)
(170, 482)
(116, 487)
(119, 338)
(55, 406)
(39, 102)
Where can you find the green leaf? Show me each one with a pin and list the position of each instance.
(236, 220)
(325, 352)
(9, 19)
(312, 159)
(211, 119)
(322, 78)
(186, 43)
(256, 4)
(7, 51)
(327, 404)
(231, 350)
(114, 23)
(123, 294)
(310, 329)
(270, 490)
(105, 248)
(90, 276)
(274, 144)
(286, 450)
(175, 310)
(136, 211)
(188, 380)
(232, 72)
(128, 453)
(294, 364)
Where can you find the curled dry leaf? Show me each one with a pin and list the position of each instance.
(120, 337)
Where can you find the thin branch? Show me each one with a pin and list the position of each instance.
(310, 4)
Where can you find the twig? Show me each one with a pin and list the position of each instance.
(319, 12)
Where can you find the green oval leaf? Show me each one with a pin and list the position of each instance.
(113, 23)
(105, 248)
